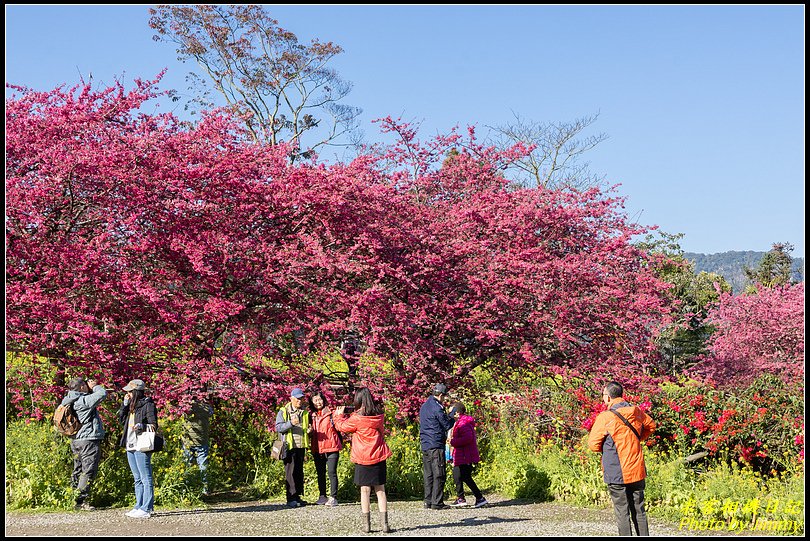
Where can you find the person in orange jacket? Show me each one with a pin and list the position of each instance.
(369, 452)
(617, 433)
(326, 445)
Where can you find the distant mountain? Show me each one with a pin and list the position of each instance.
(730, 266)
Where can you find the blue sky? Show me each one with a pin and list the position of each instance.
(703, 106)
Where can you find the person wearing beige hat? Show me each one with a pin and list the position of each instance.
(136, 413)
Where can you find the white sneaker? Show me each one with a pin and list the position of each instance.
(133, 512)
(138, 513)
(321, 501)
(331, 502)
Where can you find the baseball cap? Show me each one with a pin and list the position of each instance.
(135, 385)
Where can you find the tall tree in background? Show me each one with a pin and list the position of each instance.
(279, 87)
(774, 268)
(557, 148)
(683, 343)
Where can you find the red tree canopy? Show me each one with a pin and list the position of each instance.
(138, 246)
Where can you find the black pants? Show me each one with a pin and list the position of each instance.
(463, 474)
(294, 474)
(628, 504)
(434, 471)
(324, 461)
(86, 456)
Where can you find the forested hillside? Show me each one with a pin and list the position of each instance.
(731, 265)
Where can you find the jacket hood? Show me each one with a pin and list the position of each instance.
(464, 420)
(72, 396)
(370, 421)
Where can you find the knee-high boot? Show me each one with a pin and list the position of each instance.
(384, 520)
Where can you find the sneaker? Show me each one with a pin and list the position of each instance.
(322, 500)
(133, 512)
(302, 503)
(138, 513)
(146, 514)
(481, 503)
(293, 504)
(459, 502)
(331, 502)
(440, 507)
(427, 505)
(84, 507)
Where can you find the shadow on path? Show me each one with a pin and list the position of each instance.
(242, 509)
(472, 521)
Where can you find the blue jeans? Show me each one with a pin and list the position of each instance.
(200, 454)
(141, 466)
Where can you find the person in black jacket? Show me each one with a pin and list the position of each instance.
(433, 426)
(135, 414)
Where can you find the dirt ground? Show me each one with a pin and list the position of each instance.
(261, 518)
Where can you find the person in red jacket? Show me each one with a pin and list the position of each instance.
(369, 453)
(464, 445)
(617, 433)
(326, 445)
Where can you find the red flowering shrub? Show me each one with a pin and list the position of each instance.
(761, 425)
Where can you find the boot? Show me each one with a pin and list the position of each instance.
(384, 519)
(367, 522)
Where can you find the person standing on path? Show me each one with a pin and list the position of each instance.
(293, 422)
(326, 445)
(369, 453)
(86, 443)
(464, 450)
(433, 426)
(196, 437)
(618, 434)
(136, 414)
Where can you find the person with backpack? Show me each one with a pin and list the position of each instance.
(137, 414)
(85, 443)
(326, 445)
(618, 434)
(369, 453)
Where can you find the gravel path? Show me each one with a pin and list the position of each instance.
(261, 518)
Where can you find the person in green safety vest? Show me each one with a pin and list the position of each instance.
(293, 422)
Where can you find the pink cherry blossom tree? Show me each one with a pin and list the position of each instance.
(756, 333)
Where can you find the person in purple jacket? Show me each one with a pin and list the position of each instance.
(464, 446)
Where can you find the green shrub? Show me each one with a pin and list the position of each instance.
(404, 468)
(510, 467)
(38, 467)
